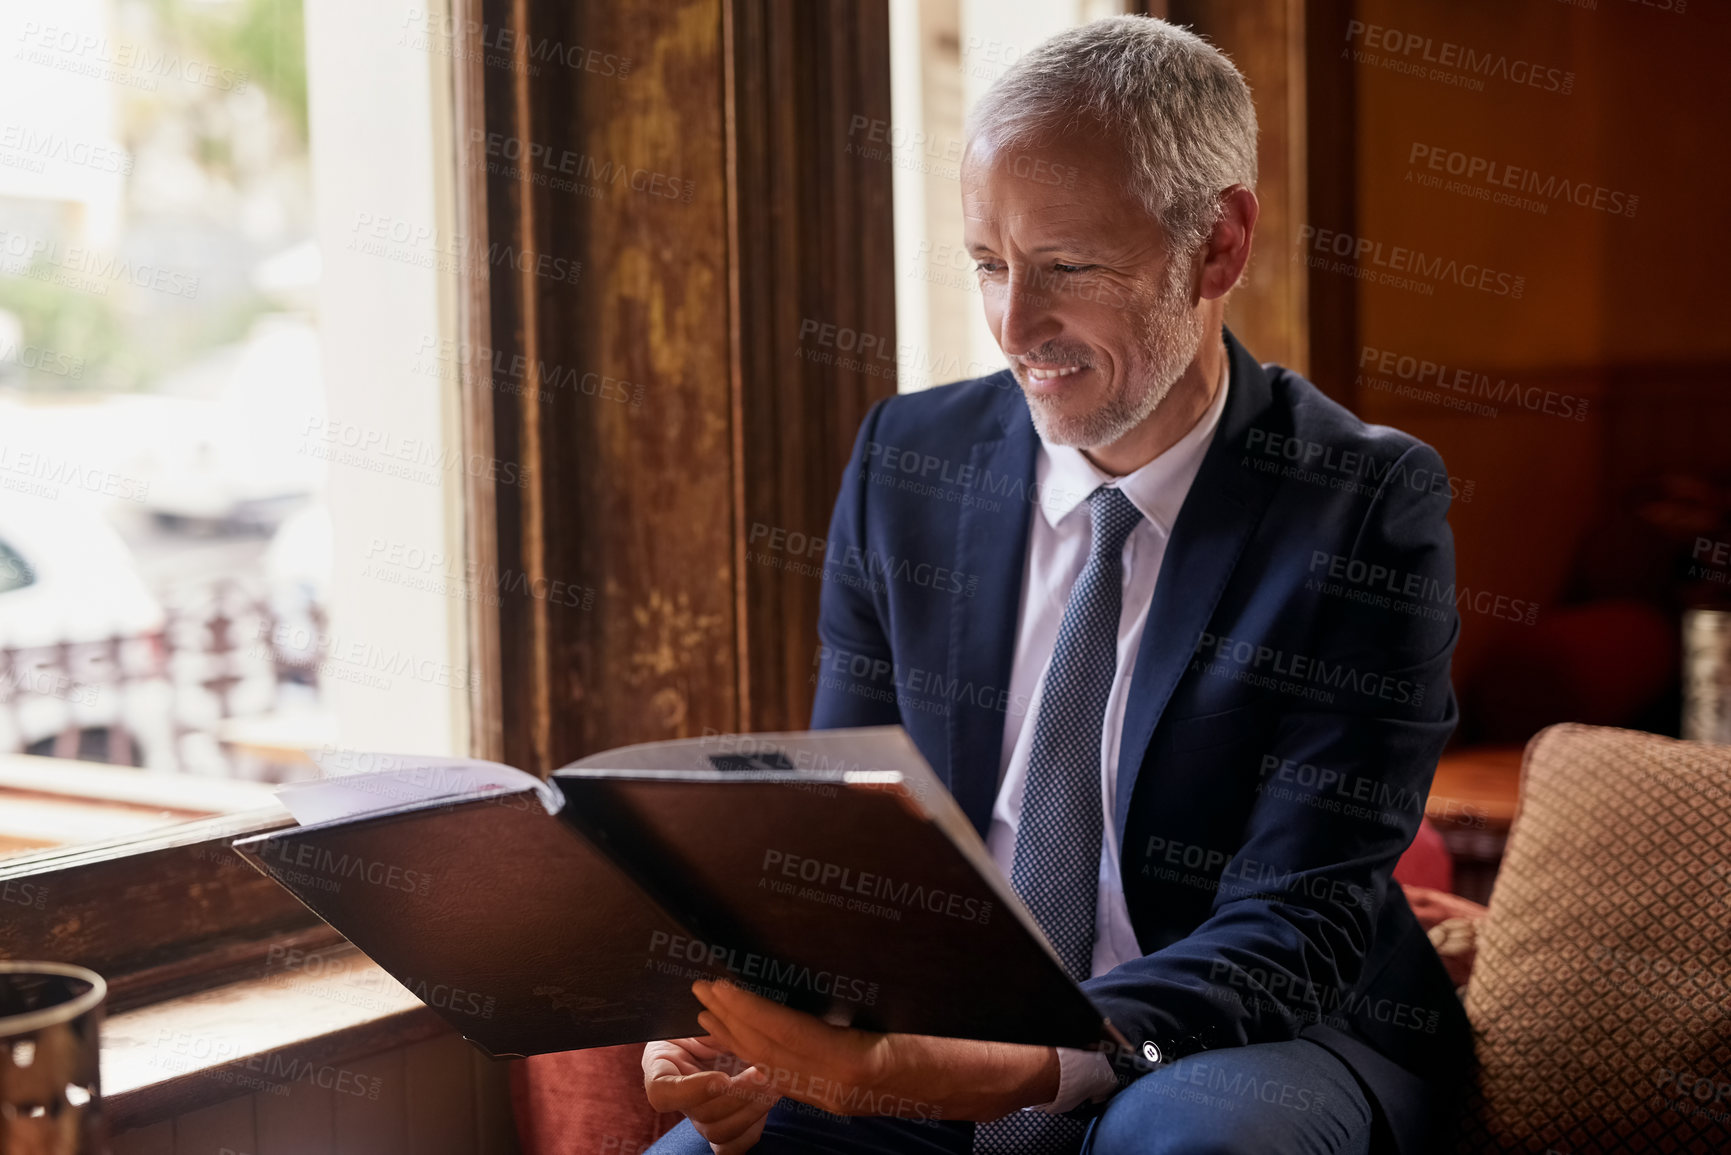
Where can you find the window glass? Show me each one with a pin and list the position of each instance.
(205, 385)
(944, 55)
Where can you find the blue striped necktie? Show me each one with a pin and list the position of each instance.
(1056, 868)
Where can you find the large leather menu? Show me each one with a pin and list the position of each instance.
(828, 871)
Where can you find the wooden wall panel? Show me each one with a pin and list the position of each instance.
(304, 1120)
(437, 1097)
(1617, 264)
(228, 1128)
(812, 245)
(439, 1110)
(495, 1126)
(1265, 39)
(156, 1139)
(365, 1125)
(668, 413)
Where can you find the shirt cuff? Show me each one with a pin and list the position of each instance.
(1081, 1075)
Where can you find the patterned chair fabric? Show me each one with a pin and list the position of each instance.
(1601, 992)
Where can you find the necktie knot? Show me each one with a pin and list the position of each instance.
(1114, 517)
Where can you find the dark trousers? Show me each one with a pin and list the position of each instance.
(1291, 1098)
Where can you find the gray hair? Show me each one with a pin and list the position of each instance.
(1182, 110)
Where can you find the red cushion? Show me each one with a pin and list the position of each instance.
(585, 1103)
(1427, 862)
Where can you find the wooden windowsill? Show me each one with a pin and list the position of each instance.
(52, 802)
(300, 1023)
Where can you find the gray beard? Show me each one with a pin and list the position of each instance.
(1170, 337)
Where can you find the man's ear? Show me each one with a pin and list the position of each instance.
(1227, 249)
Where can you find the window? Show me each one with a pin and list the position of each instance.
(943, 56)
(229, 472)
(541, 478)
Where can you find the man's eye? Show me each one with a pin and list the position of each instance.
(1071, 268)
(986, 266)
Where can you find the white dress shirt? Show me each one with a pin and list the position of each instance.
(1059, 538)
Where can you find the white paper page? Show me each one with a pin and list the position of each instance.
(360, 783)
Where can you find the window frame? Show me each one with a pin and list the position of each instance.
(795, 227)
(176, 910)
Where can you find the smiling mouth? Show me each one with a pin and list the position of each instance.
(1052, 374)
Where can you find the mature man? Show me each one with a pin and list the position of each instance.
(1215, 600)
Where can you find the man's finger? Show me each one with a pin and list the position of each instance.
(795, 1030)
(745, 1141)
(734, 1122)
(719, 1031)
(682, 1060)
(703, 1046)
(744, 1094)
(690, 1056)
(745, 1040)
(731, 1101)
(670, 1091)
(665, 1067)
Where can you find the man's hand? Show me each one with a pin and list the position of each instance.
(727, 1109)
(849, 1072)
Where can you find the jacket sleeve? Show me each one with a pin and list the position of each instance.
(1292, 920)
(853, 669)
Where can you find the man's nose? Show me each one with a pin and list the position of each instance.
(1027, 319)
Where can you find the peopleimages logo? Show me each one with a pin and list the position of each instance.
(1496, 175)
(1400, 267)
(567, 170)
(501, 46)
(86, 269)
(869, 676)
(851, 565)
(1347, 787)
(39, 148)
(925, 474)
(1302, 675)
(777, 974)
(1408, 591)
(1326, 998)
(136, 65)
(334, 867)
(1710, 561)
(1347, 470)
(792, 867)
(43, 359)
(455, 999)
(1462, 65)
(1461, 388)
(54, 473)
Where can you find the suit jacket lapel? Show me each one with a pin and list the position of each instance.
(1224, 504)
(991, 541)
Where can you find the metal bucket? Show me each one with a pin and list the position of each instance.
(50, 1098)
(1707, 675)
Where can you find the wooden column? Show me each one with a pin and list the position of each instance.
(669, 201)
(1265, 39)
(1331, 183)
(812, 246)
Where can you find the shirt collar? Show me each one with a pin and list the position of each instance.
(1065, 477)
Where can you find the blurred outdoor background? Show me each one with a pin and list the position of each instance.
(166, 443)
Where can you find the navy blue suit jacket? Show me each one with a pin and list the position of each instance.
(1288, 703)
